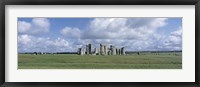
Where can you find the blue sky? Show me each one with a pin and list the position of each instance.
(68, 34)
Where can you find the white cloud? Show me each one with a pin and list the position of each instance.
(171, 42)
(117, 28)
(175, 37)
(123, 28)
(24, 39)
(71, 32)
(27, 43)
(132, 33)
(23, 26)
(135, 34)
(37, 25)
(177, 33)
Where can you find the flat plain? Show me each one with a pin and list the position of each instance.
(74, 61)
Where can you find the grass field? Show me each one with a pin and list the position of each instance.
(73, 61)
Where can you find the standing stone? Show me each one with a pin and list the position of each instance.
(122, 51)
(82, 51)
(87, 49)
(101, 49)
(98, 51)
(105, 50)
(109, 52)
(95, 51)
(79, 51)
(119, 51)
(113, 50)
(90, 48)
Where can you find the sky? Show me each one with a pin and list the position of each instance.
(69, 34)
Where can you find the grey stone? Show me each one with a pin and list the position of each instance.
(95, 51)
(87, 49)
(90, 48)
(122, 51)
(109, 52)
(79, 51)
(119, 51)
(113, 50)
(101, 49)
(105, 50)
(82, 51)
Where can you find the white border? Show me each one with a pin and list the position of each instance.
(186, 74)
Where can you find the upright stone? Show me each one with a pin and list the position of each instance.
(101, 49)
(87, 49)
(79, 51)
(95, 51)
(122, 51)
(105, 50)
(109, 52)
(111, 49)
(90, 48)
(119, 51)
(114, 50)
(82, 51)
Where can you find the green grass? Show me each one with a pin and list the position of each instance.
(73, 61)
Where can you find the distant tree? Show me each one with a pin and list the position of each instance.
(138, 53)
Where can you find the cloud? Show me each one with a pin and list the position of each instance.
(135, 34)
(37, 25)
(24, 39)
(23, 26)
(71, 32)
(174, 41)
(28, 43)
(122, 28)
(117, 28)
(166, 42)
